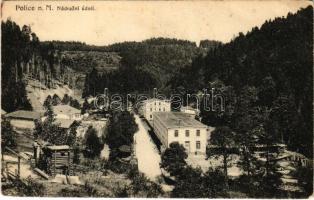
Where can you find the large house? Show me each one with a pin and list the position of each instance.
(67, 112)
(180, 127)
(154, 105)
(23, 119)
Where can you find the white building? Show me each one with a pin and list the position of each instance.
(67, 112)
(189, 110)
(154, 105)
(180, 127)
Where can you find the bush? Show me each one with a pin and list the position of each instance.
(118, 167)
(143, 187)
(8, 136)
(30, 188)
(72, 192)
(121, 192)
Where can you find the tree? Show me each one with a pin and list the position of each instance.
(247, 119)
(74, 103)
(224, 138)
(189, 184)
(71, 139)
(173, 159)
(216, 116)
(56, 100)
(15, 52)
(121, 129)
(215, 184)
(93, 144)
(66, 99)
(8, 136)
(209, 44)
(192, 183)
(85, 106)
(142, 186)
(47, 102)
(49, 130)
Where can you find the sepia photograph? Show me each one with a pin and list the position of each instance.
(157, 99)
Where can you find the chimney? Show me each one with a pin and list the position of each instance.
(179, 122)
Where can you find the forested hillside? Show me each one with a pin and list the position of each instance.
(267, 78)
(25, 59)
(84, 61)
(145, 65)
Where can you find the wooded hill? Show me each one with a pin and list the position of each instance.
(270, 68)
(265, 74)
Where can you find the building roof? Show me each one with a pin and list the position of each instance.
(155, 99)
(178, 120)
(64, 123)
(58, 147)
(65, 109)
(25, 114)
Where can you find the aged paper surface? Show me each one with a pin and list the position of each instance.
(181, 99)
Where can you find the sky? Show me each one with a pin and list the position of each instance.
(118, 21)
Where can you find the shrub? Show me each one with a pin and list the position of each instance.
(30, 188)
(8, 136)
(72, 192)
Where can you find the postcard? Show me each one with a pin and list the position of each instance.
(157, 99)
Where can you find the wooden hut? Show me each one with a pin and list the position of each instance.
(58, 159)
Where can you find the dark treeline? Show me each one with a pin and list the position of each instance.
(266, 77)
(71, 45)
(18, 45)
(122, 81)
(144, 65)
(116, 47)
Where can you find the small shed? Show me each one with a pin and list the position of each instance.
(58, 159)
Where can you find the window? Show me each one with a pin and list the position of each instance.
(176, 133)
(159, 103)
(198, 145)
(187, 133)
(187, 146)
(151, 116)
(164, 109)
(198, 132)
(151, 109)
(159, 109)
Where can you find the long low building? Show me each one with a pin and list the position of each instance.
(180, 127)
(23, 119)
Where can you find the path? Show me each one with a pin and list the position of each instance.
(146, 152)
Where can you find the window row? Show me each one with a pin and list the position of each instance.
(187, 145)
(187, 133)
(164, 109)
